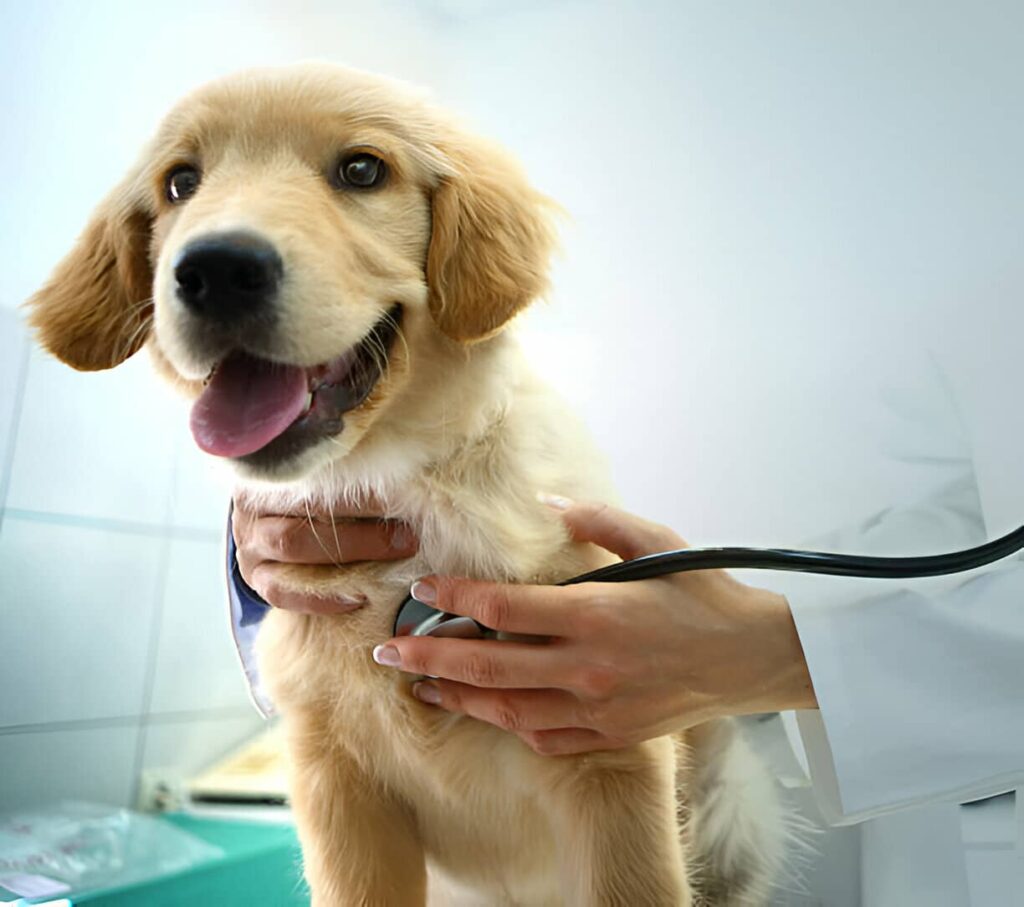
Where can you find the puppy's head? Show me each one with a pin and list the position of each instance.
(283, 245)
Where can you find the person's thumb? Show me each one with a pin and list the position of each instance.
(620, 532)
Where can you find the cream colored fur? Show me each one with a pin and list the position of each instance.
(393, 797)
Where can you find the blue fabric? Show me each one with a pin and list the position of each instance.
(251, 606)
(247, 612)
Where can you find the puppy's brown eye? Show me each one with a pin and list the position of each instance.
(362, 171)
(182, 183)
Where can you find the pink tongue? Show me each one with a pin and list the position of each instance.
(247, 404)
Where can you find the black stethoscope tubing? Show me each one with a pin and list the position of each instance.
(655, 565)
(419, 619)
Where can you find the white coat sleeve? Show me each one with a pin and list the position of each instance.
(919, 683)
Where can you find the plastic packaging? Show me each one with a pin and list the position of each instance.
(82, 847)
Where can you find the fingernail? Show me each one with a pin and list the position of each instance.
(388, 656)
(427, 692)
(555, 501)
(424, 592)
(352, 599)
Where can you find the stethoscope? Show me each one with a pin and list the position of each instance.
(417, 619)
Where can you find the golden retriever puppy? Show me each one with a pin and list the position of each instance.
(326, 263)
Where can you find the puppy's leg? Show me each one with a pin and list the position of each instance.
(615, 816)
(360, 846)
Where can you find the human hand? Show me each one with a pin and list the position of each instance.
(625, 662)
(267, 543)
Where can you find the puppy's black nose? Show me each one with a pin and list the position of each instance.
(228, 277)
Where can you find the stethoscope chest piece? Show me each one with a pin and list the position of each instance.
(417, 619)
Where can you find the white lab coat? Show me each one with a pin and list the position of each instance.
(921, 683)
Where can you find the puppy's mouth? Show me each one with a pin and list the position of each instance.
(263, 412)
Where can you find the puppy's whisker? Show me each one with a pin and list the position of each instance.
(378, 352)
(376, 345)
(334, 524)
(334, 558)
(337, 540)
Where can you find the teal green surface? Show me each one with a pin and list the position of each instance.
(261, 867)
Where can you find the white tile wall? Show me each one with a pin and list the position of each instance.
(113, 616)
(78, 606)
(111, 585)
(94, 443)
(202, 484)
(85, 764)
(117, 654)
(13, 346)
(186, 747)
(196, 664)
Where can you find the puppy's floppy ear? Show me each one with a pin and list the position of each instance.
(490, 244)
(95, 310)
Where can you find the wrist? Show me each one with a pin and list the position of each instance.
(785, 681)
